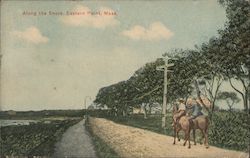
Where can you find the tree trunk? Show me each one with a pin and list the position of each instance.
(244, 96)
(150, 109)
(144, 106)
(210, 114)
(199, 95)
(246, 102)
(124, 113)
(248, 97)
(215, 94)
(230, 106)
(116, 112)
(124, 110)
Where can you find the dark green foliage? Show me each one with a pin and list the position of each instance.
(146, 85)
(233, 46)
(230, 130)
(33, 140)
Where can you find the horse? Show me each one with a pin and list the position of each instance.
(201, 122)
(186, 124)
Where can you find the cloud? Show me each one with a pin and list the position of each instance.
(81, 16)
(156, 31)
(32, 35)
(74, 76)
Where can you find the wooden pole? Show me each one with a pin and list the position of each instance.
(164, 105)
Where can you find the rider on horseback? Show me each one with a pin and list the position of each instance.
(192, 107)
(181, 110)
(186, 123)
(195, 108)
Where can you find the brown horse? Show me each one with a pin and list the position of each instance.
(201, 123)
(186, 124)
(182, 124)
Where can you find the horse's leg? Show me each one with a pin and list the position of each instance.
(175, 132)
(194, 136)
(203, 136)
(178, 136)
(206, 138)
(189, 145)
(186, 137)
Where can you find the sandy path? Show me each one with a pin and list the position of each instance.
(133, 142)
(75, 142)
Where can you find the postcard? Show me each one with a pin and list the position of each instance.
(131, 78)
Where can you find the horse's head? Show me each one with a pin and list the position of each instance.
(175, 109)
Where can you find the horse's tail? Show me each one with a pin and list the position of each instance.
(191, 123)
(207, 120)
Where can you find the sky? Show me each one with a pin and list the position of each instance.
(57, 60)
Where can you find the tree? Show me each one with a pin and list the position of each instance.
(235, 46)
(226, 57)
(210, 78)
(148, 84)
(230, 97)
(194, 70)
(105, 97)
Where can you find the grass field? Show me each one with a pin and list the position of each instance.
(35, 139)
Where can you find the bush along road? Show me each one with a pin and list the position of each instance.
(33, 140)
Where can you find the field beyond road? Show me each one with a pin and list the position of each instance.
(133, 142)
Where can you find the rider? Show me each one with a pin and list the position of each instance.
(195, 108)
(181, 110)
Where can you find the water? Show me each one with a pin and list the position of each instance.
(16, 122)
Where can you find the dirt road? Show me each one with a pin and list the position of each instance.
(75, 142)
(133, 142)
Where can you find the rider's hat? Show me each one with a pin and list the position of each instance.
(181, 100)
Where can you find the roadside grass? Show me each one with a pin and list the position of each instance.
(152, 123)
(103, 150)
(36, 139)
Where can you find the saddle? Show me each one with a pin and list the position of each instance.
(194, 121)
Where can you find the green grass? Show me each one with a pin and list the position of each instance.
(34, 139)
(102, 149)
(152, 123)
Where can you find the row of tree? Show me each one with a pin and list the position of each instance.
(225, 58)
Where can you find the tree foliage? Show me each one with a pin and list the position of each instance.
(204, 69)
(230, 97)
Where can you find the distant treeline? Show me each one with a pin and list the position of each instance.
(39, 114)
